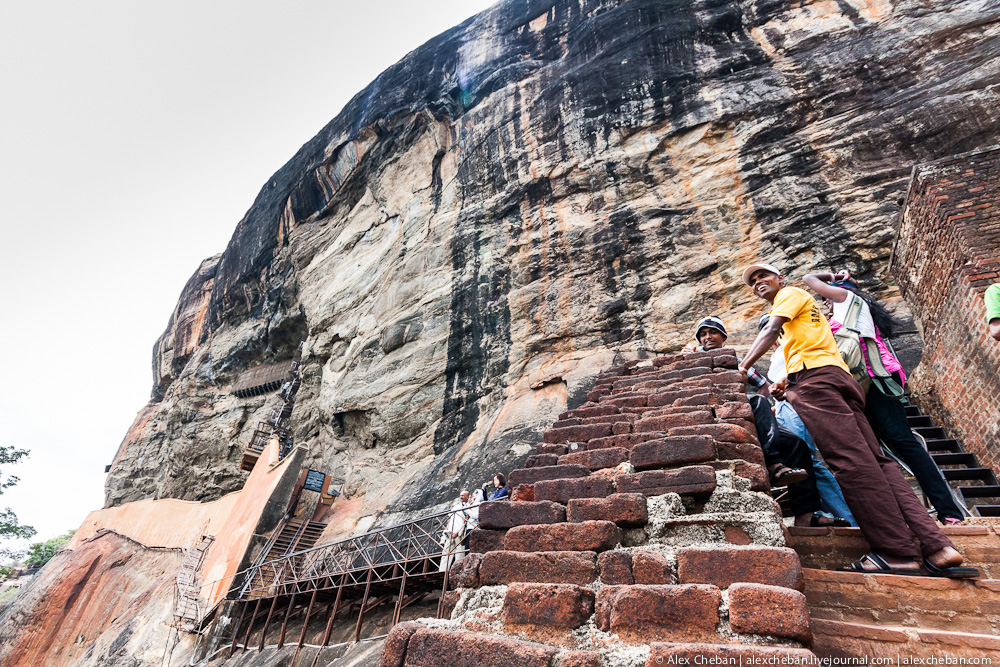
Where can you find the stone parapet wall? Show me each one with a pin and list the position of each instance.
(947, 253)
(640, 533)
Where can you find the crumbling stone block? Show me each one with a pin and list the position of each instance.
(555, 567)
(725, 565)
(532, 475)
(504, 515)
(564, 490)
(596, 459)
(394, 648)
(585, 536)
(580, 433)
(691, 419)
(482, 540)
(628, 510)
(672, 451)
(692, 480)
(579, 659)
(626, 440)
(745, 451)
(769, 610)
(541, 460)
(465, 572)
(550, 605)
(650, 567)
(439, 648)
(667, 613)
(615, 567)
(589, 412)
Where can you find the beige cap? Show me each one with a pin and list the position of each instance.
(753, 267)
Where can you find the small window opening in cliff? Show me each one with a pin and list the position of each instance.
(263, 379)
(355, 425)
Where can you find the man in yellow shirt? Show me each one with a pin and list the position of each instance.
(831, 404)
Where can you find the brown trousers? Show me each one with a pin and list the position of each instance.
(831, 404)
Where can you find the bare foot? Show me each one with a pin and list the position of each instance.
(947, 557)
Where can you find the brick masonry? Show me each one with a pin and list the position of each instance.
(947, 252)
(633, 508)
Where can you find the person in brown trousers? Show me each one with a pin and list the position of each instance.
(831, 405)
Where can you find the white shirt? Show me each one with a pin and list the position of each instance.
(865, 323)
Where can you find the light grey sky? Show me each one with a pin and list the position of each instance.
(133, 138)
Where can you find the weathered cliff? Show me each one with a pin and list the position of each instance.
(529, 194)
(527, 197)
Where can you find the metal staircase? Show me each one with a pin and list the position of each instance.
(975, 486)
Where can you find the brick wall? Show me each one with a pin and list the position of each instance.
(947, 253)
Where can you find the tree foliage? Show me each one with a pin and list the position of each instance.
(9, 525)
(41, 553)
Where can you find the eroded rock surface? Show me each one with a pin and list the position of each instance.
(534, 193)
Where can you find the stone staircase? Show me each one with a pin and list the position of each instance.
(857, 615)
(975, 486)
(640, 533)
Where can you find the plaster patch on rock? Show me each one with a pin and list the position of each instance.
(475, 600)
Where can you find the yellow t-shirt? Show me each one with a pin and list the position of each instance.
(806, 337)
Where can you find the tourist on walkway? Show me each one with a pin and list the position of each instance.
(500, 491)
(453, 535)
(831, 405)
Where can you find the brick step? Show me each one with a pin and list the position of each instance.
(832, 548)
(932, 603)
(839, 639)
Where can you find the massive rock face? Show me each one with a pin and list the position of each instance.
(526, 197)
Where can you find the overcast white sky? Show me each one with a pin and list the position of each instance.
(133, 138)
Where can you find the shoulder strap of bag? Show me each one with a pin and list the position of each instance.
(853, 312)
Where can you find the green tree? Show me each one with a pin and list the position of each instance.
(9, 525)
(41, 553)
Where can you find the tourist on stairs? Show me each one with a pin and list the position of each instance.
(785, 454)
(831, 500)
(883, 401)
(831, 405)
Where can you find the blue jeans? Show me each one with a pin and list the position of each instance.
(830, 497)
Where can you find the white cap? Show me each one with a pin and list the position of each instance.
(753, 267)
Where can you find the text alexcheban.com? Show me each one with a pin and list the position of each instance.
(780, 660)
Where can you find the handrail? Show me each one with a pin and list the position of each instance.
(405, 544)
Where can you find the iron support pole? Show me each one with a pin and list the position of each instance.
(236, 630)
(246, 637)
(399, 601)
(364, 601)
(284, 623)
(267, 622)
